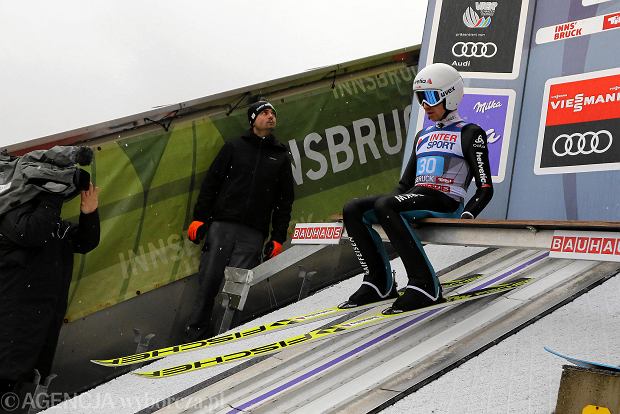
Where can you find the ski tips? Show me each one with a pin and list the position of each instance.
(143, 374)
(391, 311)
(347, 305)
(102, 362)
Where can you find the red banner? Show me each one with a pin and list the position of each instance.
(611, 21)
(584, 101)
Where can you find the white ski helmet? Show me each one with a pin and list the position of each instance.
(438, 82)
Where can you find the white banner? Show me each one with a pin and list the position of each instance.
(317, 233)
(578, 28)
(586, 245)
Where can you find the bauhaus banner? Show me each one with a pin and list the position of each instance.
(585, 245)
(580, 124)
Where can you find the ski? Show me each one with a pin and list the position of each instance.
(583, 363)
(268, 327)
(321, 333)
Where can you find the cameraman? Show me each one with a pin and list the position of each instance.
(36, 263)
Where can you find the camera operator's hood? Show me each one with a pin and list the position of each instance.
(53, 171)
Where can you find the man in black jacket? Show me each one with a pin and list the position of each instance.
(36, 264)
(249, 186)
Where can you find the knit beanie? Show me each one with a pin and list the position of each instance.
(256, 108)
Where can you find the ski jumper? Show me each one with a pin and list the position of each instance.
(446, 157)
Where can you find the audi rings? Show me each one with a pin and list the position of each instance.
(474, 49)
(582, 143)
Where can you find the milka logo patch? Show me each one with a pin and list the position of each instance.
(482, 107)
(5, 187)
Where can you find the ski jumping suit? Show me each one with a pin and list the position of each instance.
(434, 184)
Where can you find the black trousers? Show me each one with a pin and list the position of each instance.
(31, 317)
(393, 212)
(227, 244)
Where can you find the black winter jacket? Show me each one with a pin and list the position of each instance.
(36, 263)
(249, 182)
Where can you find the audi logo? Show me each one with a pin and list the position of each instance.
(582, 143)
(474, 49)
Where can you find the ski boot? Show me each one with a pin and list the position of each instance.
(413, 298)
(367, 293)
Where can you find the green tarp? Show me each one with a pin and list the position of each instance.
(346, 140)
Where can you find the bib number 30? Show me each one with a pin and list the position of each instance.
(430, 166)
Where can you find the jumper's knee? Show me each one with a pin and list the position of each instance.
(384, 207)
(352, 211)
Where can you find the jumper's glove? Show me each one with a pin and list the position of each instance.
(81, 179)
(196, 231)
(272, 249)
(467, 215)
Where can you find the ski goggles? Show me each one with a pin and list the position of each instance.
(430, 97)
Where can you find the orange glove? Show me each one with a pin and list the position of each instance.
(196, 231)
(272, 249)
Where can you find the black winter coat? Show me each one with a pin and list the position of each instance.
(249, 182)
(36, 263)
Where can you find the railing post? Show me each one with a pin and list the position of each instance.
(237, 284)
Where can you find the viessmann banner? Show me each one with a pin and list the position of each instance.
(580, 124)
(479, 38)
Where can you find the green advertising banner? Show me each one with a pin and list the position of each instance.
(346, 139)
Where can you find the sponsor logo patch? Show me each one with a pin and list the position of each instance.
(317, 233)
(442, 188)
(474, 49)
(407, 196)
(480, 164)
(603, 246)
(582, 143)
(473, 20)
(580, 124)
(611, 21)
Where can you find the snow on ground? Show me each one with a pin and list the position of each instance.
(516, 376)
